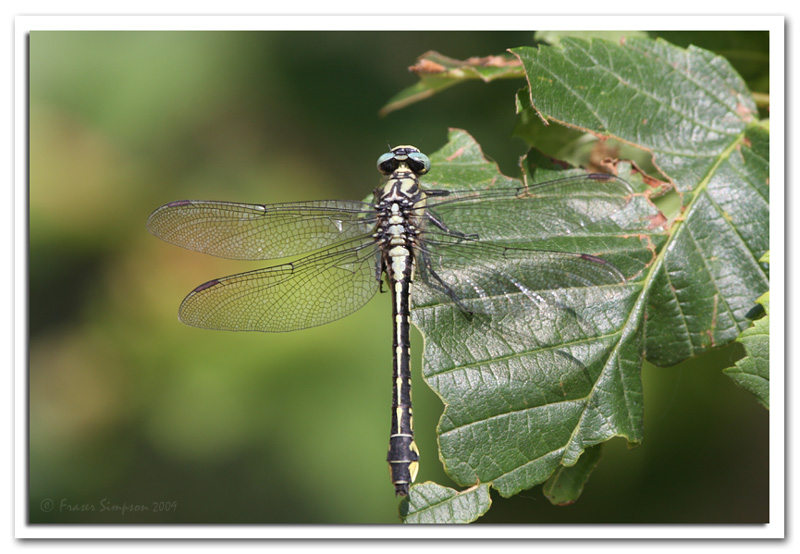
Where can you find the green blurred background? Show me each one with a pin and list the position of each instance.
(128, 407)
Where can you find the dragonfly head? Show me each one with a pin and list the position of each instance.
(408, 156)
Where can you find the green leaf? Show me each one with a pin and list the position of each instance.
(566, 484)
(711, 267)
(438, 72)
(693, 113)
(530, 392)
(752, 372)
(687, 107)
(555, 37)
(432, 503)
(572, 145)
(748, 52)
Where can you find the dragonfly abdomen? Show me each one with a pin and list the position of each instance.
(403, 456)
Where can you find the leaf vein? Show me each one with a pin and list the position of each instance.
(696, 122)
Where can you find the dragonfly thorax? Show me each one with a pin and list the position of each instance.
(398, 204)
(402, 184)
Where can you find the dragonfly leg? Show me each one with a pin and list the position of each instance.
(428, 270)
(433, 218)
(379, 272)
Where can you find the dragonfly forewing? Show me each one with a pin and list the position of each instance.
(260, 231)
(533, 212)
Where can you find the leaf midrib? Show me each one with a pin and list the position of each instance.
(675, 230)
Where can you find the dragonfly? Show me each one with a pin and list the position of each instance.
(405, 240)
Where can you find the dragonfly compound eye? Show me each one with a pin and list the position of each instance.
(387, 163)
(419, 163)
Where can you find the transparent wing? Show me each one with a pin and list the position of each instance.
(312, 291)
(259, 231)
(531, 212)
(488, 278)
(521, 297)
